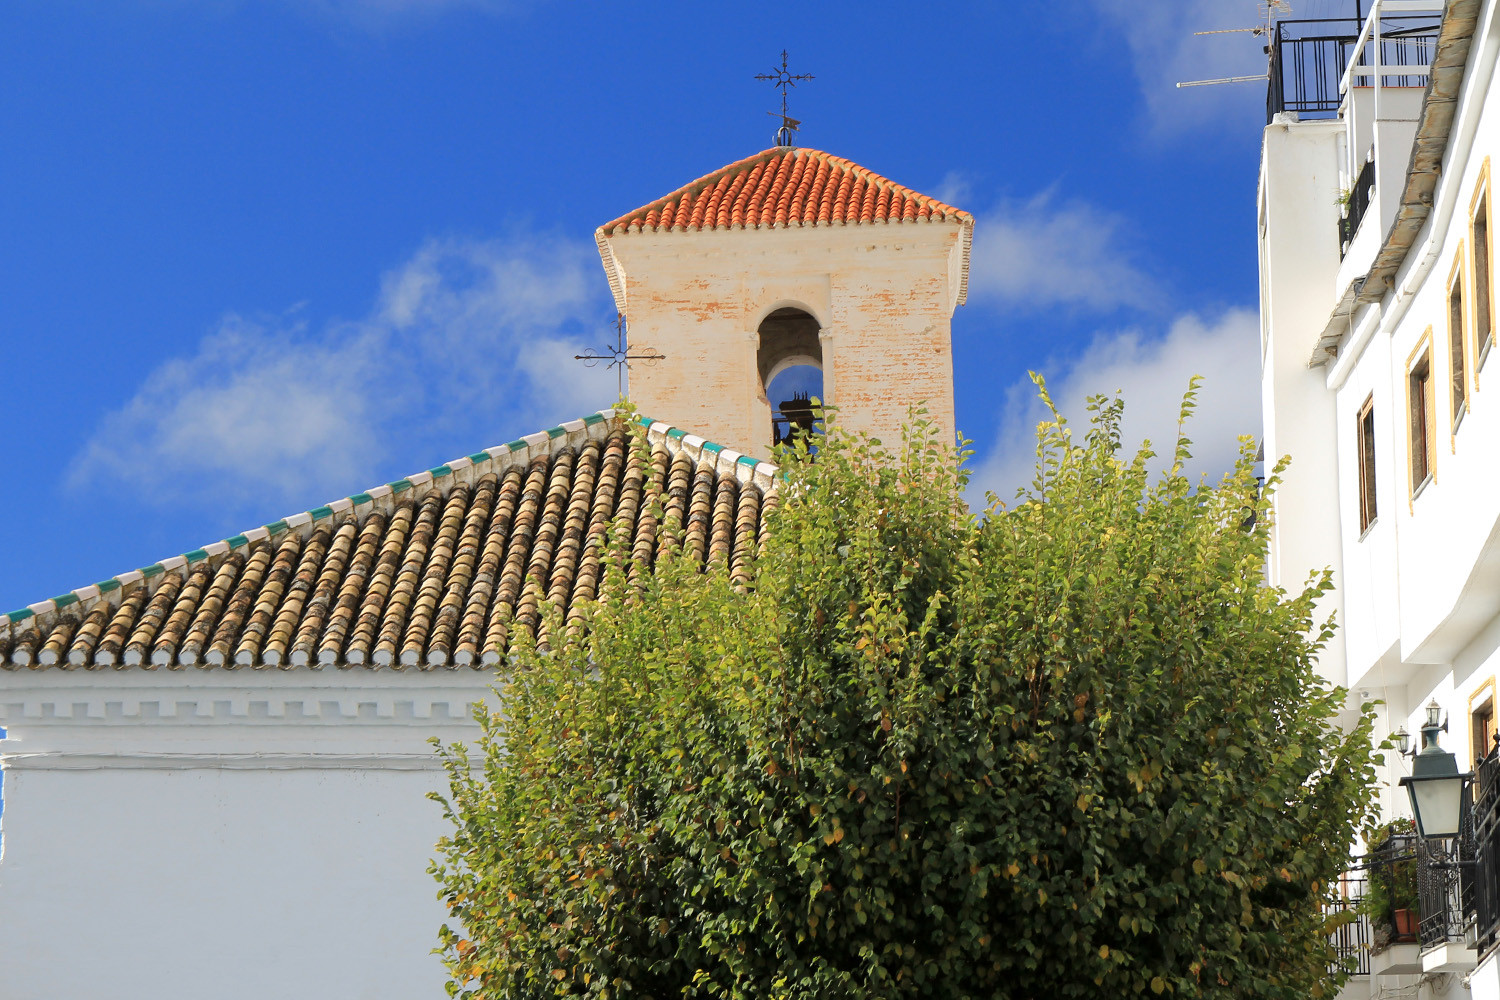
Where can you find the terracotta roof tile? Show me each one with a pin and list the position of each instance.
(786, 186)
(443, 569)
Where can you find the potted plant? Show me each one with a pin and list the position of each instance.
(1391, 900)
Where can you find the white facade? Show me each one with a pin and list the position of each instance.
(1418, 585)
(234, 834)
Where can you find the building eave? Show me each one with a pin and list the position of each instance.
(1423, 173)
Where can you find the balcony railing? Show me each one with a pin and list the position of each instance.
(1351, 937)
(1485, 895)
(1445, 886)
(1309, 58)
(1359, 203)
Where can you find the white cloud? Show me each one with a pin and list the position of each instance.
(466, 338)
(1165, 51)
(1151, 375)
(1042, 252)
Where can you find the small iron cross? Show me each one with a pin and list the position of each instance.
(782, 80)
(619, 357)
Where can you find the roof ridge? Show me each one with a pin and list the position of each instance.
(744, 467)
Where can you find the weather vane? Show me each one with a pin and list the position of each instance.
(782, 79)
(619, 357)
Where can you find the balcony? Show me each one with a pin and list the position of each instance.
(1392, 896)
(1484, 896)
(1351, 926)
(1356, 206)
(1311, 57)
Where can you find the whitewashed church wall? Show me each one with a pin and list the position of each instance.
(230, 834)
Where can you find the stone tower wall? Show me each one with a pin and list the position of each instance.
(883, 296)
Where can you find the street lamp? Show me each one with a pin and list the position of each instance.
(1436, 787)
(1403, 741)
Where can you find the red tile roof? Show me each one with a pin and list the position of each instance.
(786, 186)
(443, 569)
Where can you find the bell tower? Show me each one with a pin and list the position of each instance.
(790, 271)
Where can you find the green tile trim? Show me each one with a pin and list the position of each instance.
(746, 460)
(197, 555)
(360, 498)
(237, 541)
(517, 445)
(439, 471)
(155, 569)
(319, 513)
(276, 527)
(64, 600)
(712, 448)
(479, 456)
(108, 586)
(399, 486)
(592, 419)
(19, 616)
(556, 432)
(676, 433)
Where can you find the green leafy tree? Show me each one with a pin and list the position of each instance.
(1075, 747)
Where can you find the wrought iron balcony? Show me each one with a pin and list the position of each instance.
(1351, 935)
(1484, 895)
(1391, 897)
(1308, 58)
(1359, 203)
(1445, 886)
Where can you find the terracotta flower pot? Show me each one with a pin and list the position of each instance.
(1406, 925)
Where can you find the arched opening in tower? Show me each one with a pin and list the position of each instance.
(790, 358)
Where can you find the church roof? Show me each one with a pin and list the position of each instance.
(786, 186)
(441, 569)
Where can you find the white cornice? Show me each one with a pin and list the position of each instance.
(217, 698)
(64, 760)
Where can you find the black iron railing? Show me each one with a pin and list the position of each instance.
(1308, 58)
(1445, 885)
(1351, 936)
(1485, 895)
(1359, 203)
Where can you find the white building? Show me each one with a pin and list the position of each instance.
(1378, 321)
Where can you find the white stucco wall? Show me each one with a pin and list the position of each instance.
(1299, 191)
(229, 834)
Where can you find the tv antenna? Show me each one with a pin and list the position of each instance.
(782, 79)
(1269, 11)
(618, 357)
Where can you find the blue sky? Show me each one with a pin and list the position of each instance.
(258, 255)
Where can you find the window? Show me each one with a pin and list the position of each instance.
(1366, 430)
(1484, 319)
(1482, 720)
(1458, 376)
(1419, 405)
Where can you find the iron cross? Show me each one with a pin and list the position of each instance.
(782, 79)
(619, 357)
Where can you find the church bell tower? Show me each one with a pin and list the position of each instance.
(790, 263)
